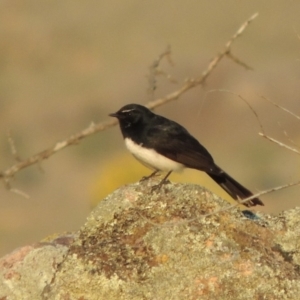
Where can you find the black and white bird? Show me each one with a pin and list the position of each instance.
(164, 145)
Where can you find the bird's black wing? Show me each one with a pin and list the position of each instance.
(175, 142)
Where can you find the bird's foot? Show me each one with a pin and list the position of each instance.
(157, 187)
(144, 178)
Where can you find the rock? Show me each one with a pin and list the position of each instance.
(181, 243)
(25, 272)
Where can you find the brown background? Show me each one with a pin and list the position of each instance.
(65, 64)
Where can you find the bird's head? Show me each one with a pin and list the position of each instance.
(132, 114)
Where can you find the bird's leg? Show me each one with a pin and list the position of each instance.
(164, 181)
(150, 176)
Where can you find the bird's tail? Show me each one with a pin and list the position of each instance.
(234, 189)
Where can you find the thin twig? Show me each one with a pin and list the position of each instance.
(13, 190)
(271, 190)
(242, 98)
(238, 61)
(13, 146)
(264, 135)
(279, 143)
(257, 195)
(288, 137)
(191, 83)
(282, 108)
(74, 139)
(155, 70)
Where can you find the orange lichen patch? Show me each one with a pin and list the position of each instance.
(209, 242)
(158, 260)
(15, 257)
(162, 258)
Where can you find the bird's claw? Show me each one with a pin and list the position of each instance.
(157, 187)
(144, 178)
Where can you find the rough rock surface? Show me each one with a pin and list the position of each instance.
(180, 243)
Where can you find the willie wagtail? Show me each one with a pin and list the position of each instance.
(164, 145)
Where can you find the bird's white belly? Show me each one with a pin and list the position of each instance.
(151, 158)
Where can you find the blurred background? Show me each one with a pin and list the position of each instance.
(65, 64)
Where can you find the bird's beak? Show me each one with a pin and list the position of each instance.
(114, 115)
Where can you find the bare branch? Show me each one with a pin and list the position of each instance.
(155, 70)
(15, 191)
(257, 195)
(275, 189)
(282, 108)
(191, 83)
(246, 102)
(240, 30)
(254, 112)
(74, 139)
(94, 128)
(13, 146)
(278, 143)
(264, 135)
(238, 61)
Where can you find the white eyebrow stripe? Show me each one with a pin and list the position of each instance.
(127, 110)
